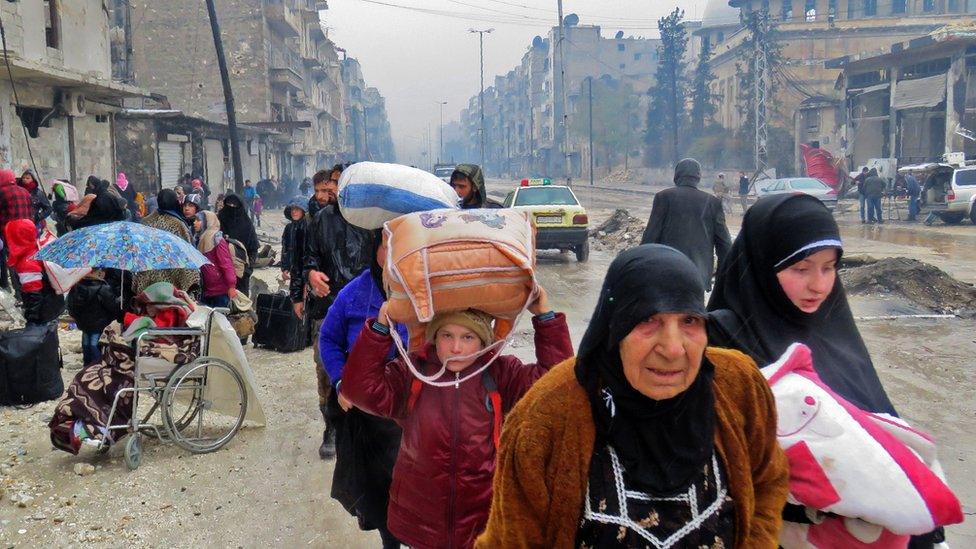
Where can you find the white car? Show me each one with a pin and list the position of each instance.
(799, 185)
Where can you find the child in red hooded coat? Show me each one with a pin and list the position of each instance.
(41, 305)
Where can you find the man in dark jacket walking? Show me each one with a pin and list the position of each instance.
(874, 187)
(690, 220)
(469, 182)
(335, 253)
(862, 198)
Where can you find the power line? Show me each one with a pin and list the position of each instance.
(13, 86)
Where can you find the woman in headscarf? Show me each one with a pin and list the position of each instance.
(61, 207)
(648, 437)
(366, 445)
(169, 217)
(42, 206)
(101, 204)
(235, 224)
(129, 194)
(779, 285)
(218, 278)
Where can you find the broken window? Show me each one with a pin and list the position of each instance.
(52, 24)
(927, 68)
(928, 5)
(899, 6)
(870, 8)
(787, 10)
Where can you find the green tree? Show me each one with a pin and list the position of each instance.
(667, 111)
(702, 99)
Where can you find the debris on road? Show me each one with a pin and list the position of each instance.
(84, 469)
(621, 230)
(920, 283)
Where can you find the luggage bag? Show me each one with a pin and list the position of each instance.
(30, 365)
(278, 328)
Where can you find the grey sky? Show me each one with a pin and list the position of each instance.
(417, 56)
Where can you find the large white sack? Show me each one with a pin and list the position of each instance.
(372, 193)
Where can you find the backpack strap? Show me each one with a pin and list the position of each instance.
(493, 402)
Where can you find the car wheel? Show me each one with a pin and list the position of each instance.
(583, 251)
(952, 218)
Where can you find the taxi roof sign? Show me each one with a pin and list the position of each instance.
(536, 181)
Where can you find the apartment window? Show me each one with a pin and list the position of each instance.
(787, 12)
(52, 24)
(810, 10)
(899, 6)
(952, 5)
(871, 8)
(928, 5)
(720, 37)
(622, 66)
(637, 57)
(621, 47)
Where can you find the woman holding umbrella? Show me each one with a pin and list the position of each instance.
(168, 217)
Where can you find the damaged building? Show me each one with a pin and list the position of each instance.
(808, 34)
(58, 111)
(287, 78)
(914, 101)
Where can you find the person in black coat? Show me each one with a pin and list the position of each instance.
(93, 303)
(293, 244)
(236, 225)
(690, 220)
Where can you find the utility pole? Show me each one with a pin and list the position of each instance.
(235, 142)
(590, 78)
(365, 134)
(761, 91)
(531, 138)
(562, 88)
(440, 149)
(481, 95)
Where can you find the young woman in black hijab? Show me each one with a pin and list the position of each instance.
(793, 243)
(235, 224)
(649, 437)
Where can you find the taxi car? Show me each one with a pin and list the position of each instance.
(561, 222)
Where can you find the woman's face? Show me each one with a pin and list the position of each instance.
(197, 224)
(662, 355)
(27, 178)
(452, 340)
(189, 209)
(808, 283)
(179, 193)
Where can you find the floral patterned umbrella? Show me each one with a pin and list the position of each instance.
(122, 245)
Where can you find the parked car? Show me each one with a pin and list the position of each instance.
(444, 171)
(802, 185)
(959, 197)
(561, 222)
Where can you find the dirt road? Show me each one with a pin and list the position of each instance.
(269, 488)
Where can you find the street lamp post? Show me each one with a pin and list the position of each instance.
(440, 150)
(481, 95)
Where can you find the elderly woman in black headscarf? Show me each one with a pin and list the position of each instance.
(169, 217)
(648, 436)
(101, 204)
(236, 225)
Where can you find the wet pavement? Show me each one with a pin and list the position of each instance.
(268, 487)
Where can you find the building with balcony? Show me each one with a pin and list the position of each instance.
(286, 76)
(60, 120)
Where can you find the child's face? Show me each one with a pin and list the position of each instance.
(297, 214)
(197, 224)
(452, 340)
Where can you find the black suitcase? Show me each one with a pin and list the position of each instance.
(278, 328)
(30, 365)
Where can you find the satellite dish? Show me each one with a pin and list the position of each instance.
(619, 35)
(537, 42)
(571, 20)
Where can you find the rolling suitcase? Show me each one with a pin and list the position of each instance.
(278, 328)
(30, 365)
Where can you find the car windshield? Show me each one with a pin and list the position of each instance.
(545, 196)
(965, 177)
(807, 185)
(443, 172)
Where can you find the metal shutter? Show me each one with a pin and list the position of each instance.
(214, 155)
(170, 163)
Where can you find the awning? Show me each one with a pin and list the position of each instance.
(869, 89)
(921, 92)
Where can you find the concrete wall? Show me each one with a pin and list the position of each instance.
(174, 55)
(135, 149)
(93, 148)
(84, 44)
(50, 149)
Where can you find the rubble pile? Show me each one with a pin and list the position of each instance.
(620, 231)
(920, 283)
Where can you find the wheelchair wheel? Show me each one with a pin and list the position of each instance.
(133, 451)
(189, 398)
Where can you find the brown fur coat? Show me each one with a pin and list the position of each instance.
(544, 458)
